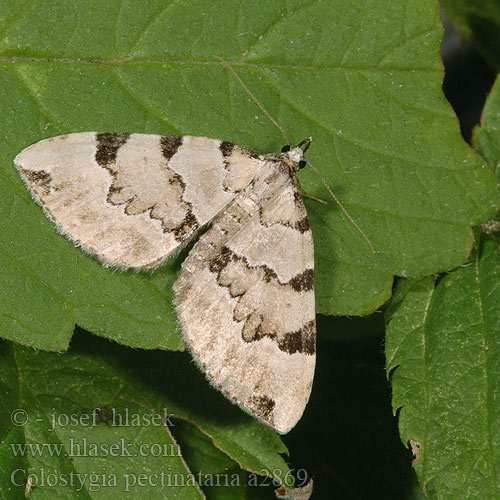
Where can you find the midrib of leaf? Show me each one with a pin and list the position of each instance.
(241, 64)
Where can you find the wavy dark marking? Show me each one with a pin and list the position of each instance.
(217, 264)
(297, 198)
(114, 189)
(41, 179)
(108, 144)
(175, 178)
(263, 406)
(189, 224)
(303, 225)
(303, 282)
(300, 282)
(269, 274)
(169, 145)
(226, 148)
(302, 340)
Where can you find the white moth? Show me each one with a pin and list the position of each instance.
(245, 296)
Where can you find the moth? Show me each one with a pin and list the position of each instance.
(245, 294)
(244, 297)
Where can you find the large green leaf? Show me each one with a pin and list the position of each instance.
(61, 415)
(443, 343)
(443, 351)
(363, 78)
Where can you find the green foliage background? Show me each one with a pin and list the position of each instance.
(364, 79)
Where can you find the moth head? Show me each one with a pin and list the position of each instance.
(293, 156)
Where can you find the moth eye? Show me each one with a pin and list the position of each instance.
(302, 164)
(284, 149)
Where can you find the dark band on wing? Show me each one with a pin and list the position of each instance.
(302, 225)
(302, 282)
(302, 340)
(169, 145)
(108, 144)
(190, 223)
(262, 406)
(226, 148)
(39, 181)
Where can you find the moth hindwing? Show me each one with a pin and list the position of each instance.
(245, 293)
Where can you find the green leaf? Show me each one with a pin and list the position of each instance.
(98, 396)
(219, 476)
(443, 349)
(487, 135)
(479, 21)
(363, 78)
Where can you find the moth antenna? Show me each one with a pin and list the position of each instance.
(353, 222)
(285, 135)
(256, 101)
